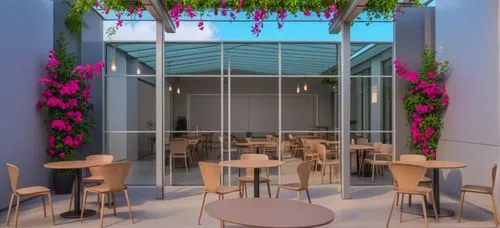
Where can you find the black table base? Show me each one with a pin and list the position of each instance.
(77, 214)
(256, 183)
(416, 209)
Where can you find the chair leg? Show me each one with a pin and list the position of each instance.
(222, 196)
(246, 189)
(322, 173)
(98, 201)
(186, 164)
(109, 201)
(10, 207)
(83, 206)
(409, 200)
(114, 204)
(17, 211)
(433, 206)
(401, 209)
(51, 208)
(331, 170)
(44, 209)
(397, 199)
(201, 209)
(373, 172)
(392, 207)
(129, 206)
(269, 190)
(424, 209)
(278, 193)
(102, 210)
(308, 197)
(462, 197)
(494, 204)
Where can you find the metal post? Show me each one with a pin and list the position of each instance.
(229, 118)
(345, 106)
(222, 108)
(279, 111)
(160, 110)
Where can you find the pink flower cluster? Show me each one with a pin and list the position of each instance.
(119, 22)
(67, 97)
(424, 136)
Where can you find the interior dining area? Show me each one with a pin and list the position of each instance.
(223, 100)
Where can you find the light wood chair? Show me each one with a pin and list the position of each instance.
(309, 150)
(333, 165)
(380, 160)
(179, 149)
(210, 173)
(249, 178)
(487, 190)
(425, 181)
(407, 178)
(28, 191)
(95, 175)
(304, 171)
(114, 176)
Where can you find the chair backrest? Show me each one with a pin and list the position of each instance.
(178, 147)
(96, 171)
(210, 173)
(254, 157)
(377, 146)
(493, 175)
(304, 171)
(407, 176)
(321, 149)
(386, 149)
(115, 174)
(13, 176)
(412, 158)
(363, 141)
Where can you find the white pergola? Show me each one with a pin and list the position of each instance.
(341, 24)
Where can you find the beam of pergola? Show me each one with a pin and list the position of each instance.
(159, 12)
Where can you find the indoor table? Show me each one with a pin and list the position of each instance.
(77, 165)
(359, 149)
(256, 165)
(269, 213)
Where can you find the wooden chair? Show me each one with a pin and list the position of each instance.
(95, 175)
(248, 178)
(309, 150)
(425, 181)
(407, 178)
(303, 170)
(382, 159)
(28, 191)
(179, 149)
(210, 173)
(324, 162)
(487, 190)
(114, 176)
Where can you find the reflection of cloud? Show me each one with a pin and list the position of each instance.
(146, 31)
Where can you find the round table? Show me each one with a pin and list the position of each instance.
(256, 165)
(435, 165)
(269, 213)
(76, 165)
(359, 148)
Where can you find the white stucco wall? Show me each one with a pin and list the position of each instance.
(467, 35)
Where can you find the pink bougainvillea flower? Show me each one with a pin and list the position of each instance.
(61, 155)
(79, 137)
(240, 3)
(200, 25)
(106, 11)
(58, 124)
(422, 109)
(429, 132)
(39, 104)
(307, 13)
(52, 141)
(52, 152)
(445, 100)
(431, 74)
(413, 77)
(68, 141)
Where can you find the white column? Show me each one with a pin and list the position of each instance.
(160, 110)
(345, 118)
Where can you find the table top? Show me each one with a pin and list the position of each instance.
(252, 163)
(360, 147)
(330, 142)
(437, 164)
(270, 213)
(78, 164)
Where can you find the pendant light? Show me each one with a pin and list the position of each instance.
(298, 88)
(138, 70)
(113, 60)
(178, 91)
(169, 88)
(305, 85)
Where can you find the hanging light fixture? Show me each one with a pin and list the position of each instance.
(113, 60)
(138, 70)
(169, 88)
(178, 90)
(305, 86)
(298, 88)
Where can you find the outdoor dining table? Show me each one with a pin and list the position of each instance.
(435, 165)
(269, 213)
(256, 165)
(77, 166)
